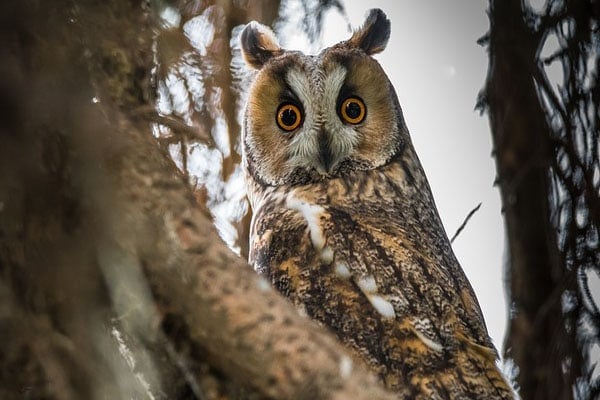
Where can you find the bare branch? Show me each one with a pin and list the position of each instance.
(467, 218)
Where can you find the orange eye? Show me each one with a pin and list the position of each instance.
(353, 110)
(289, 117)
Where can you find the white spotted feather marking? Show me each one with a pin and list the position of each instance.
(368, 286)
(422, 327)
(312, 214)
(383, 307)
(433, 345)
(342, 270)
(327, 255)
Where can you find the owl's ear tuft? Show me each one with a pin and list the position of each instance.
(259, 44)
(373, 35)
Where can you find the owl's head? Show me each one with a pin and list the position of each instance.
(310, 118)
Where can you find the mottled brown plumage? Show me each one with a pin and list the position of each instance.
(344, 221)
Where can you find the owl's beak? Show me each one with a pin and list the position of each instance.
(326, 157)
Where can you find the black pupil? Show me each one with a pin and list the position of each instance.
(288, 117)
(353, 110)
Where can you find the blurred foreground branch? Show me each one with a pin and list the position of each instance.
(113, 281)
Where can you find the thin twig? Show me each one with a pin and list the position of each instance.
(467, 218)
(175, 124)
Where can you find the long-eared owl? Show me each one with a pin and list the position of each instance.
(344, 222)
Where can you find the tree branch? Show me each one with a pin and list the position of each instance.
(101, 232)
(467, 218)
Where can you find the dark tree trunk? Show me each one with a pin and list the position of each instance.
(522, 150)
(537, 339)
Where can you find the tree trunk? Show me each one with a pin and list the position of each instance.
(523, 154)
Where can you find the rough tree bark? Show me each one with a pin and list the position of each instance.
(113, 282)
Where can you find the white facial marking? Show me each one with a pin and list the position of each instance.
(343, 138)
(318, 92)
(305, 140)
(331, 88)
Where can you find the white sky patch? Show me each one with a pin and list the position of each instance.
(230, 206)
(581, 217)
(449, 71)
(220, 130)
(312, 214)
(345, 367)
(592, 71)
(291, 13)
(163, 101)
(179, 96)
(200, 157)
(195, 83)
(200, 31)
(170, 17)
